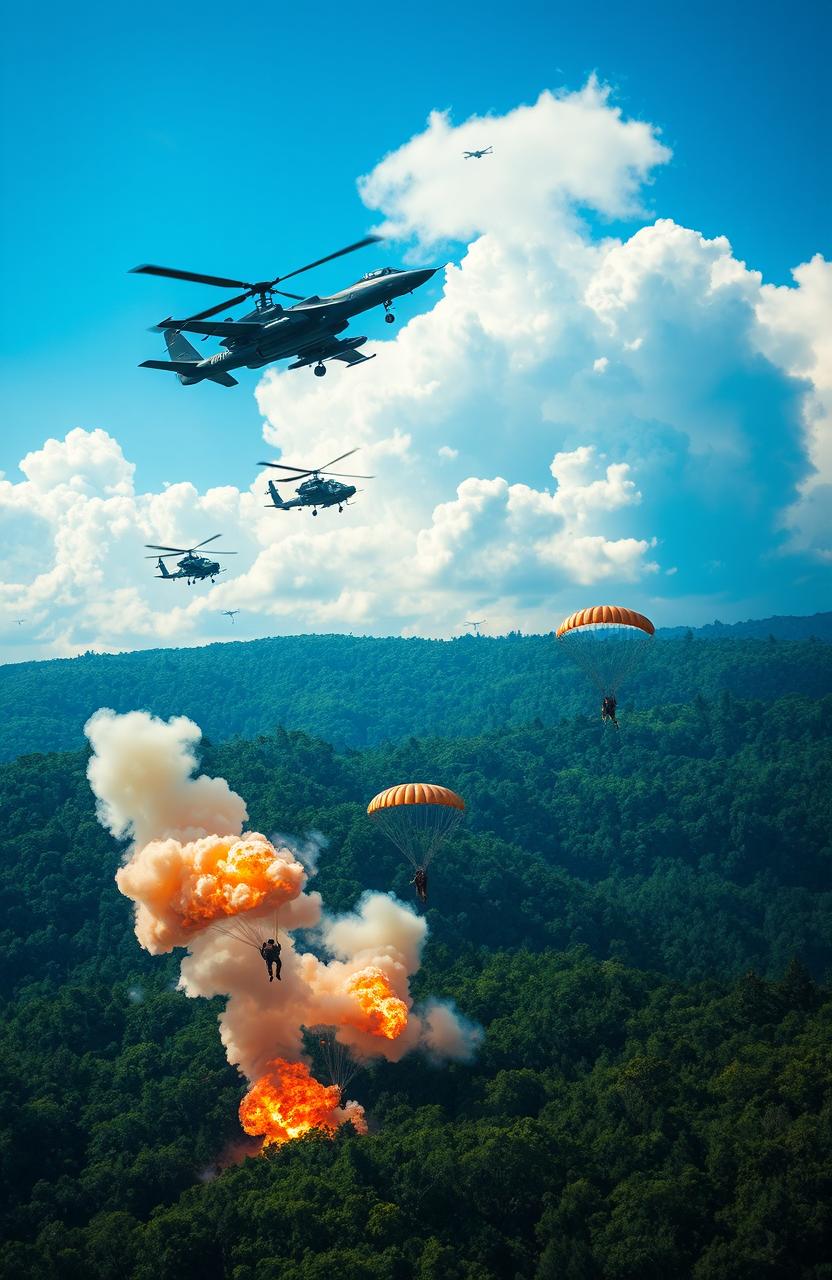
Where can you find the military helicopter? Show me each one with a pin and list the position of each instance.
(230, 613)
(315, 492)
(306, 331)
(477, 155)
(191, 567)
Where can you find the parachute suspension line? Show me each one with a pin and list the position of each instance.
(418, 830)
(252, 932)
(335, 1056)
(238, 934)
(606, 652)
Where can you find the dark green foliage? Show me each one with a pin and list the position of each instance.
(641, 922)
(358, 691)
(655, 1130)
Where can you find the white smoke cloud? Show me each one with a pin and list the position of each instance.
(141, 772)
(182, 866)
(447, 1034)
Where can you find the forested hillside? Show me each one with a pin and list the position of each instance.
(359, 691)
(641, 922)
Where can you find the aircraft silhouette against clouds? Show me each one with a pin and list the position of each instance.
(477, 155)
(316, 491)
(230, 613)
(191, 567)
(306, 331)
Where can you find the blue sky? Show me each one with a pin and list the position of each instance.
(230, 140)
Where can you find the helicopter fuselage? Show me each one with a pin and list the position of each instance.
(314, 493)
(303, 330)
(194, 568)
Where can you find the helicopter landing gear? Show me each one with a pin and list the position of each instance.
(340, 508)
(314, 511)
(320, 369)
(388, 314)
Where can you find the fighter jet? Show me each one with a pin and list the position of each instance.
(306, 331)
(477, 155)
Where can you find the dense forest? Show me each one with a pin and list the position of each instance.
(359, 691)
(640, 921)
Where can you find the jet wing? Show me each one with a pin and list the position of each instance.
(350, 356)
(215, 329)
(334, 349)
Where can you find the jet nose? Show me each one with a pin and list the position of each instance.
(421, 277)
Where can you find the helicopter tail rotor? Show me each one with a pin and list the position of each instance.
(276, 499)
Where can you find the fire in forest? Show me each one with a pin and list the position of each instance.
(287, 1102)
(200, 882)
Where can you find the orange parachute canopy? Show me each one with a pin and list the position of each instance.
(418, 817)
(415, 793)
(607, 641)
(606, 613)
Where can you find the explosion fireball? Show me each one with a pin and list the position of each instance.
(287, 1102)
(386, 1012)
(183, 887)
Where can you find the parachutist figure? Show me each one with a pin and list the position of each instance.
(270, 951)
(608, 708)
(420, 881)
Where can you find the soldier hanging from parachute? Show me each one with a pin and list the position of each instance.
(418, 817)
(608, 643)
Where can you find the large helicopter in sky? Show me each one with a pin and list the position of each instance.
(191, 567)
(316, 491)
(306, 331)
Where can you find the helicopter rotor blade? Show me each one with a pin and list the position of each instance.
(340, 458)
(351, 248)
(251, 288)
(173, 273)
(298, 473)
(178, 551)
(213, 538)
(345, 475)
(222, 306)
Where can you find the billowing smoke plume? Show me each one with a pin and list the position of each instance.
(199, 881)
(141, 773)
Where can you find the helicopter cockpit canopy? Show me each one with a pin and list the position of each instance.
(382, 271)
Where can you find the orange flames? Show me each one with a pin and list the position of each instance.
(386, 1013)
(287, 1102)
(233, 874)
